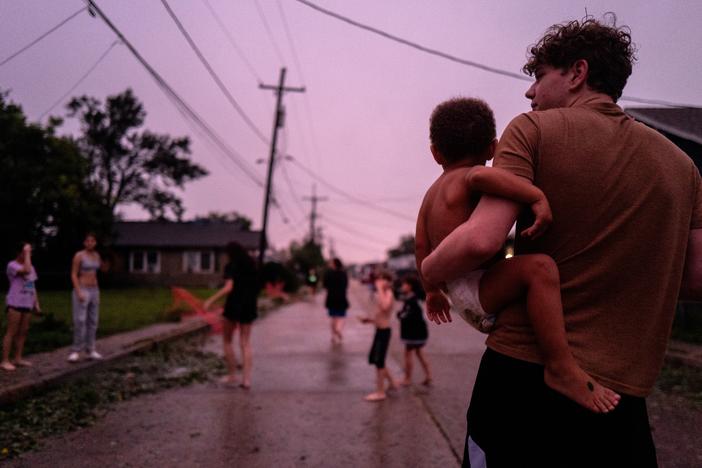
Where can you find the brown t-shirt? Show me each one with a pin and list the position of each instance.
(624, 199)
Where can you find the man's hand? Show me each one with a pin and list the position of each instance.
(543, 219)
(438, 308)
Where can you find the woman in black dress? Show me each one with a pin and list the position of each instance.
(241, 286)
(413, 327)
(336, 283)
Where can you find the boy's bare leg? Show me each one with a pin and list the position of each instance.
(536, 276)
(246, 354)
(425, 365)
(392, 384)
(228, 328)
(379, 393)
(408, 368)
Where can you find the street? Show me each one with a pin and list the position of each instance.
(306, 407)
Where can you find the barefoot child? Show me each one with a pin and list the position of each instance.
(379, 350)
(462, 134)
(413, 328)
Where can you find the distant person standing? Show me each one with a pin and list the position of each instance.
(85, 299)
(413, 328)
(336, 283)
(21, 301)
(241, 286)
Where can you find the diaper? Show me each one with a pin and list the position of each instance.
(463, 294)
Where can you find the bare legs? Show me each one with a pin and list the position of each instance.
(381, 375)
(17, 327)
(229, 357)
(337, 325)
(536, 276)
(409, 365)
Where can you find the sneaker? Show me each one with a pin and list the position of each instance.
(73, 357)
(94, 355)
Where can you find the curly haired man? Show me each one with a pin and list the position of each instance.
(626, 235)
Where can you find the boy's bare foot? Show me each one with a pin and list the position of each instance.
(23, 363)
(5, 365)
(227, 379)
(375, 396)
(245, 386)
(406, 382)
(427, 382)
(576, 384)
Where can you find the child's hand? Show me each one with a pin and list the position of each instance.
(544, 218)
(438, 308)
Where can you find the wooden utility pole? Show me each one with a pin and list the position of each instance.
(313, 214)
(277, 123)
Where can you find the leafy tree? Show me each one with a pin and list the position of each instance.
(306, 256)
(130, 165)
(406, 246)
(43, 197)
(243, 221)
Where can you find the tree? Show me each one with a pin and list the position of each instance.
(129, 165)
(306, 256)
(243, 221)
(43, 195)
(406, 246)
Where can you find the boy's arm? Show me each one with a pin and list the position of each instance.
(496, 181)
(437, 304)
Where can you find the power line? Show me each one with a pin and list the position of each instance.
(183, 107)
(80, 80)
(269, 32)
(38, 39)
(348, 195)
(286, 28)
(214, 75)
(462, 61)
(238, 50)
(353, 230)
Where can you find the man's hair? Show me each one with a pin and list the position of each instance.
(384, 274)
(608, 51)
(461, 127)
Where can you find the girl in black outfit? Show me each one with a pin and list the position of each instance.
(336, 283)
(241, 285)
(413, 327)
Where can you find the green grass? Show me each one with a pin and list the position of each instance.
(121, 310)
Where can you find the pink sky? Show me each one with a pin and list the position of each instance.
(361, 125)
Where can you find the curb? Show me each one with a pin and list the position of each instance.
(141, 341)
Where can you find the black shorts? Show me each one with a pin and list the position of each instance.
(379, 349)
(514, 419)
(21, 310)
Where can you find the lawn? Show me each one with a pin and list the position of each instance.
(121, 310)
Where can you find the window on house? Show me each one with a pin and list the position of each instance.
(198, 261)
(145, 261)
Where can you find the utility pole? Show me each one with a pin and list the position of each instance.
(313, 214)
(277, 123)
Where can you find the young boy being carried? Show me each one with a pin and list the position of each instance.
(384, 303)
(462, 134)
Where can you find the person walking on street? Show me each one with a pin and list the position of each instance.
(241, 286)
(22, 300)
(626, 235)
(85, 299)
(336, 283)
(413, 328)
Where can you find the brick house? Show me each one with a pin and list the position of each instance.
(188, 254)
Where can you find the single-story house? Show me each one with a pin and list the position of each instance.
(681, 125)
(175, 253)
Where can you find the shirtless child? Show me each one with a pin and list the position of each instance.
(462, 134)
(379, 350)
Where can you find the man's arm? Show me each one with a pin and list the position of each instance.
(692, 274)
(472, 243)
(437, 305)
(502, 183)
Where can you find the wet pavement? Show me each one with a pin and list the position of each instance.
(306, 407)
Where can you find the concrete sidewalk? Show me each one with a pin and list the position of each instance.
(52, 368)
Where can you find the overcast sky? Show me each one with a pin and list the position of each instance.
(362, 124)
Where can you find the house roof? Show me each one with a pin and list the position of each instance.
(183, 234)
(683, 122)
